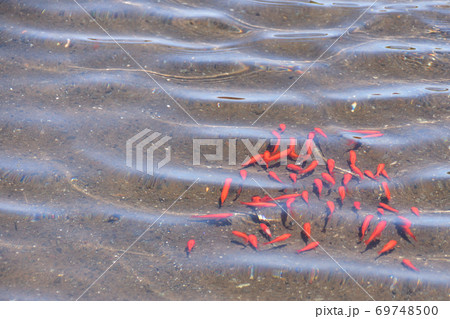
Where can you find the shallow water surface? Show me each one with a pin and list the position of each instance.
(79, 80)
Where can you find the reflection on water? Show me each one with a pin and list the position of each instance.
(73, 94)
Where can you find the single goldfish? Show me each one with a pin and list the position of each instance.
(243, 174)
(330, 165)
(387, 207)
(259, 204)
(190, 245)
(275, 177)
(305, 196)
(388, 247)
(293, 177)
(319, 186)
(352, 158)
(415, 211)
(282, 127)
(370, 175)
(311, 167)
(307, 230)
(253, 241)
(277, 135)
(365, 225)
(266, 229)
(357, 171)
(341, 191)
(279, 238)
(357, 205)
(240, 235)
(225, 190)
(380, 168)
(318, 130)
(328, 178)
(330, 205)
(385, 174)
(408, 264)
(347, 178)
(376, 232)
(310, 246)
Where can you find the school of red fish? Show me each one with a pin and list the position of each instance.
(328, 179)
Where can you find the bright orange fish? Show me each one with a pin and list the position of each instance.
(275, 177)
(330, 165)
(243, 174)
(357, 205)
(380, 168)
(385, 174)
(305, 196)
(259, 204)
(293, 167)
(190, 245)
(386, 190)
(279, 238)
(319, 185)
(372, 135)
(253, 241)
(311, 135)
(403, 221)
(387, 207)
(408, 231)
(282, 127)
(380, 211)
(362, 131)
(293, 177)
(415, 210)
(307, 230)
(310, 246)
(407, 263)
(308, 143)
(330, 205)
(213, 216)
(225, 190)
(347, 178)
(352, 155)
(370, 175)
(357, 171)
(341, 191)
(256, 199)
(311, 167)
(376, 232)
(388, 247)
(241, 235)
(318, 130)
(328, 178)
(266, 229)
(365, 225)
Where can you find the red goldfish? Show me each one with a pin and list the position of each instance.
(253, 241)
(241, 235)
(365, 225)
(266, 229)
(279, 238)
(318, 130)
(341, 191)
(311, 167)
(357, 205)
(415, 210)
(213, 216)
(380, 168)
(190, 245)
(225, 190)
(352, 158)
(330, 205)
(330, 166)
(357, 171)
(293, 177)
(259, 204)
(328, 178)
(407, 263)
(305, 196)
(388, 247)
(282, 127)
(346, 179)
(385, 174)
(319, 186)
(377, 232)
(310, 246)
(387, 207)
(275, 177)
(370, 175)
(307, 230)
